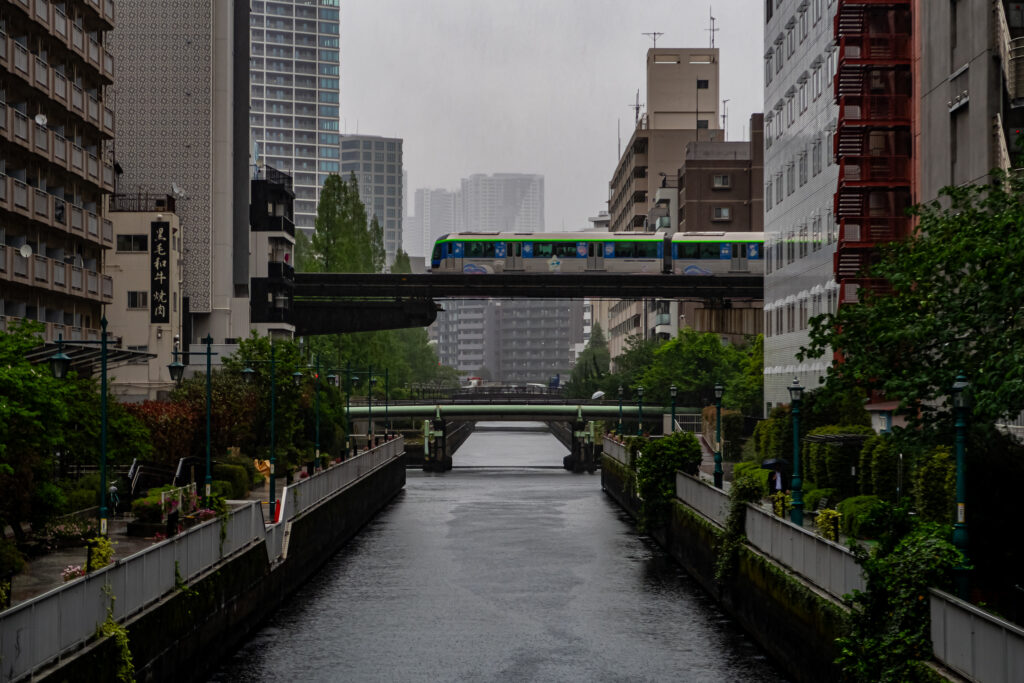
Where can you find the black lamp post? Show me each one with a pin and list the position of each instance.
(640, 411)
(796, 515)
(177, 370)
(719, 390)
(60, 363)
(620, 411)
(672, 390)
(960, 405)
(249, 374)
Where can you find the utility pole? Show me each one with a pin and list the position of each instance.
(712, 30)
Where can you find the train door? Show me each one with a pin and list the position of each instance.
(514, 256)
(739, 257)
(454, 256)
(595, 255)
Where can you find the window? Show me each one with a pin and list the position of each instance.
(702, 84)
(137, 243)
(830, 67)
(790, 179)
(138, 299)
(791, 317)
(789, 111)
(778, 188)
(721, 181)
(815, 11)
(778, 321)
(790, 247)
(803, 97)
(768, 196)
(722, 214)
(778, 254)
(803, 168)
(702, 124)
(803, 241)
(790, 41)
(768, 69)
(802, 317)
(778, 58)
(816, 156)
(803, 26)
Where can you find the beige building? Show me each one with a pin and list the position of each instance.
(145, 314)
(56, 124)
(682, 107)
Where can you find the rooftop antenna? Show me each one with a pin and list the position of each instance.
(654, 37)
(712, 30)
(636, 108)
(725, 119)
(618, 132)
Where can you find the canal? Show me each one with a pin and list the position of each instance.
(507, 568)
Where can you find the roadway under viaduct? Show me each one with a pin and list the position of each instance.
(334, 303)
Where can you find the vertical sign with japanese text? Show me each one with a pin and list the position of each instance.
(160, 272)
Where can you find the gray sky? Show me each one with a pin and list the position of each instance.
(528, 86)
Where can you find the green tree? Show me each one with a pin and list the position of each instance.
(694, 362)
(401, 264)
(953, 303)
(378, 257)
(591, 367)
(341, 240)
(631, 364)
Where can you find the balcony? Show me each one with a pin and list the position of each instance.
(41, 272)
(17, 197)
(875, 110)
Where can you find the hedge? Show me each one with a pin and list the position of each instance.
(236, 476)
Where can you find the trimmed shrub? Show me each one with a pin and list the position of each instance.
(147, 509)
(11, 560)
(236, 476)
(864, 469)
(833, 464)
(812, 497)
(752, 470)
(935, 485)
(221, 489)
(656, 466)
(858, 512)
(885, 474)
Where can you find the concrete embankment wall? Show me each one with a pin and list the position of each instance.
(187, 634)
(795, 623)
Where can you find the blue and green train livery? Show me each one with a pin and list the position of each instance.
(689, 253)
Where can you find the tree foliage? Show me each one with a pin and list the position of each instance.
(956, 305)
(591, 367)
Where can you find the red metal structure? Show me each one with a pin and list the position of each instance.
(872, 143)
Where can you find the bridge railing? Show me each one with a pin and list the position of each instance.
(974, 643)
(38, 632)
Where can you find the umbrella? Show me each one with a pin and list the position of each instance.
(597, 395)
(772, 463)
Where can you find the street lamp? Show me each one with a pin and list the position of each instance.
(177, 369)
(960, 405)
(640, 413)
(719, 390)
(59, 365)
(620, 411)
(249, 374)
(672, 390)
(796, 515)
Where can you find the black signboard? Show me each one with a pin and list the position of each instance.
(160, 272)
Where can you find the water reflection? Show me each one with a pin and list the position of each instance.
(499, 572)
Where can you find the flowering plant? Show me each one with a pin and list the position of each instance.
(71, 572)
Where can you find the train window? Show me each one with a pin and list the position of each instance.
(542, 250)
(646, 249)
(710, 250)
(689, 250)
(624, 250)
(437, 252)
(479, 249)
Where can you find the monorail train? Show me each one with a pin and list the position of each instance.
(690, 253)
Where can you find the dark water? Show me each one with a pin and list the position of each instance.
(507, 568)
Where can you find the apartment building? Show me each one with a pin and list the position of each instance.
(56, 125)
(377, 164)
(294, 75)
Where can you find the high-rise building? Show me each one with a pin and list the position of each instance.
(377, 165)
(503, 202)
(56, 123)
(682, 107)
(435, 216)
(800, 174)
(294, 75)
(533, 340)
(868, 118)
(182, 95)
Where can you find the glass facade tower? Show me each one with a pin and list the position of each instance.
(294, 90)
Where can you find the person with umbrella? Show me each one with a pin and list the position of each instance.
(776, 482)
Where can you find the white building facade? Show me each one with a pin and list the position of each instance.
(800, 182)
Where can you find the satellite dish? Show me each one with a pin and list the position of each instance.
(597, 395)
(178, 192)
(41, 119)
(25, 251)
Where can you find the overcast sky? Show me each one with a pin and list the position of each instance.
(528, 86)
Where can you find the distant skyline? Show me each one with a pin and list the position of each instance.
(525, 86)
